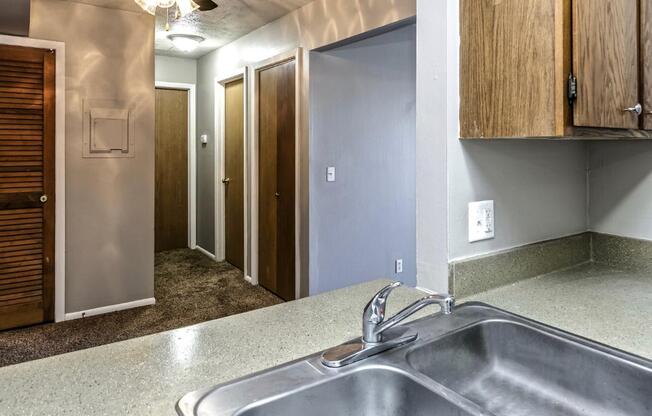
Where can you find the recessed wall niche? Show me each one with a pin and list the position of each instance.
(108, 129)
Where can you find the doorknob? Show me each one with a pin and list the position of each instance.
(43, 198)
(277, 194)
(638, 109)
(226, 180)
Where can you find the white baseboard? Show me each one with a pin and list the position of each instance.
(110, 308)
(206, 253)
(250, 280)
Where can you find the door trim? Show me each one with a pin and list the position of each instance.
(60, 165)
(301, 172)
(220, 210)
(192, 156)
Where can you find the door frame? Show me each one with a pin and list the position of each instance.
(192, 156)
(220, 209)
(60, 164)
(301, 166)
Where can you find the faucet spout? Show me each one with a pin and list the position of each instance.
(374, 324)
(374, 340)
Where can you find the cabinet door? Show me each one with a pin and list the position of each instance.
(513, 68)
(606, 62)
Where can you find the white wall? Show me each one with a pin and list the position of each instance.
(362, 122)
(172, 69)
(436, 120)
(621, 188)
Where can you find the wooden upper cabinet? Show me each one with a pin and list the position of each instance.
(517, 58)
(513, 68)
(606, 63)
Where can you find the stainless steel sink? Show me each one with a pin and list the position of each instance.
(477, 361)
(513, 369)
(372, 391)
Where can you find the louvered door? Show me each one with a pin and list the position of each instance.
(26, 186)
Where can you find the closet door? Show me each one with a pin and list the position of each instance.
(234, 173)
(26, 186)
(276, 179)
(606, 63)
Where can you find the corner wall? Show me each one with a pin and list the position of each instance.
(109, 202)
(539, 188)
(621, 188)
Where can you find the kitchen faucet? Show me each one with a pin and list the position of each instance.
(378, 334)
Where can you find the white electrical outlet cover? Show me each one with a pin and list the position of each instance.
(330, 174)
(481, 220)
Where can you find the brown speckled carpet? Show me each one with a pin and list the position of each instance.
(189, 288)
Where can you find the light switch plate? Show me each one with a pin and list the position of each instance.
(330, 174)
(481, 220)
(398, 266)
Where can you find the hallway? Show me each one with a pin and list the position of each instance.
(190, 288)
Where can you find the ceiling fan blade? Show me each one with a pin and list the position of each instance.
(205, 5)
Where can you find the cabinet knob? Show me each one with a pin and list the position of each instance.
(637, 109)
(43, 198)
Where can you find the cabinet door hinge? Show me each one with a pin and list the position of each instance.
(572, 89)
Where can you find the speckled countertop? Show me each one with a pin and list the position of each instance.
(146, 376)
(598, 302)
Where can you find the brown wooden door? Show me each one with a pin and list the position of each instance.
(234, 173)
(606, 62)
(276, 179)
(27, 100)
(171, 188)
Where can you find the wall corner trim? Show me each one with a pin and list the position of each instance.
(110, 308)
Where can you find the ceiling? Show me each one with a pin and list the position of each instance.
(231, 20)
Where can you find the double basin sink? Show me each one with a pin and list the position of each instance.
(479, 360)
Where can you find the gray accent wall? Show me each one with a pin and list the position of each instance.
(206, 156)
(362, 122)
(109, 202)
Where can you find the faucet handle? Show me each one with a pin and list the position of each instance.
(375, 310)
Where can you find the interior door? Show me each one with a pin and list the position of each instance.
(171, 167)
(276, 179)
(27, 133)
(234, 173)
(606, 63)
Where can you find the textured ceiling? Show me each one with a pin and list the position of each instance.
(231, 20)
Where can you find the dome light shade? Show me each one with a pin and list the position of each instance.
(185, 6)
(185, 43)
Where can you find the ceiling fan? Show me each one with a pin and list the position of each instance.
(183, 7)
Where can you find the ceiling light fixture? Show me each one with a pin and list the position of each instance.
(183, 6)
(185, 43)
